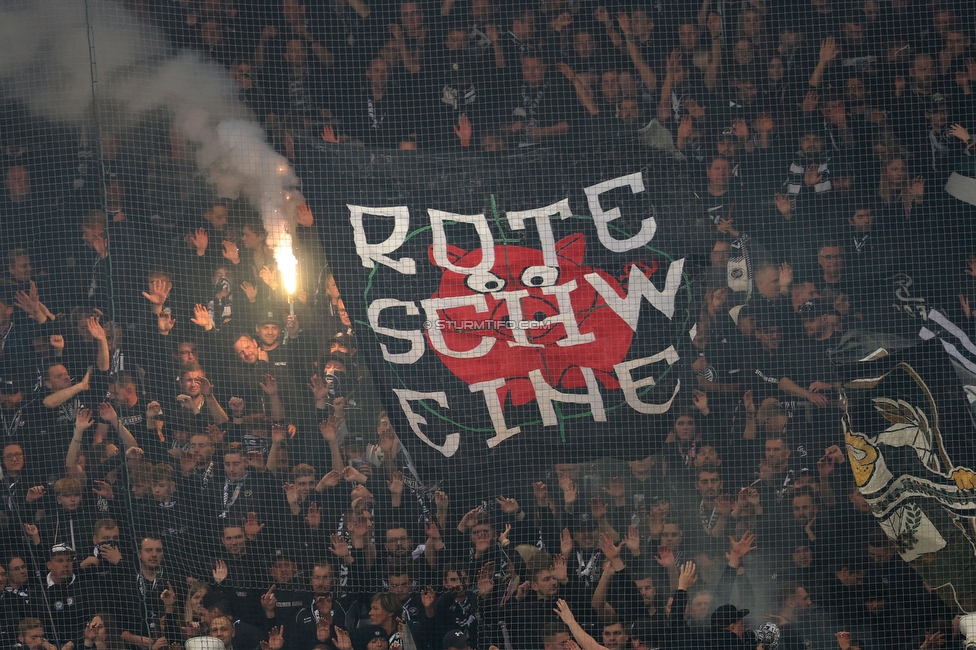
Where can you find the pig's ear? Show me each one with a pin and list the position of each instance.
(454, 255)
(572, 248)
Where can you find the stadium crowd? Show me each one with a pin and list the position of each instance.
(187, 455)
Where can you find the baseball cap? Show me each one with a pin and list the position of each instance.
(203, 643)
(62, 549)
(455, 639)
(270, 317)
(726, 615)
(361, 637)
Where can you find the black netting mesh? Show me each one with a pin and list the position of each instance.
(654, 327)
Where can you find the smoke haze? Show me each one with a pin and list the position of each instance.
(46, 62)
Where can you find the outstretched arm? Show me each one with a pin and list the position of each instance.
(585, 641)
(59, 397)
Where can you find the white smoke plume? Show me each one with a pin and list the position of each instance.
(46, 53)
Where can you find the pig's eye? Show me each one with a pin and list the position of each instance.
(540, 276)
(484, 282)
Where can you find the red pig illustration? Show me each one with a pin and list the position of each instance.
(519, 268)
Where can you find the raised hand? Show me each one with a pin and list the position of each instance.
(268, 600)
(353, 475)
(688, 576)
(31, 531)
(569, 488)
(783, 205)
(632, 540)
(566, 70)
(231, 252)
(486, 579)
(468, 519)
(168, 595)
(314, 516)
(810, 101)
(739, 548)
(36, 493)
(291, 492)
(215, 432)
(255, 460)
(331, 479)
(559, 568)
(198, 240)
(95, 329)
(86, 381)
(165, 322)
(812, 175)
(276, 639)
(503, 536)
(250, 291)
(206, 388)
(464, 130)
(825, 466)
(665, 557)
(269, 277)
(220, 572)
(31, 304)
(304, 216)
(395, 486)
(319, 388)
(959, 131)
(329, 134)
(83, 419)
(269, 385)
(251, 525)
(624, 21)
(158, 291)
(829, 49)
(565, 542)
(103, 490)
(723, 504)
(201, 317)
(108, 414)
(339, 547)
(90, 633)
(933, 641)
(541, 493)
(616, 490)
(564, 612)
(236, 405)
(674, 63)
(342, 641)
(292, 327)
(608, 548)
(508, 505)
